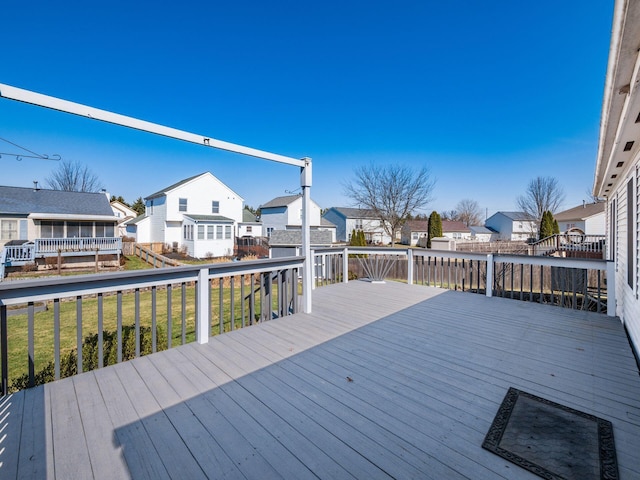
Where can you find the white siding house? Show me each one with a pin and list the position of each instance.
(347, 220)
(250, 226)
(455, 230)
(199, 214)
(617, 175)
(482, 234)
(514, 226)
(285, 213)
(124, 214)
(587, 218)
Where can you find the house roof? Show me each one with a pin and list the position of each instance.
(248, 217)
(481, 229)
(417, 225)
(580, 212)
(355, 212)
(25, 201)
(290, 238)
(159, 193)
(515, 216)
(326, 223)
(449, 226)
(137, 220)
(166, 190)
(280, 201)
(209, 218)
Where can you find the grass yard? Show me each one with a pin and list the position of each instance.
(181, 331)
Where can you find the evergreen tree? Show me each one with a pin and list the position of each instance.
(434, 228)
(556, 227)
(138, 206)
(546, 225)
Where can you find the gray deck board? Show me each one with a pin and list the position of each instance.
(380, 381)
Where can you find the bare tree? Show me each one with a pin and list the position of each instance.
(469, 212)
(449, 215)
(74, 177)
(392, 192)
(542, 194)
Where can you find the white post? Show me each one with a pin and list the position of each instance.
(345, 265)
(611, 288)
(314, 269)
(489, 284)
(410, 266)
(202, 318)
(307, 273)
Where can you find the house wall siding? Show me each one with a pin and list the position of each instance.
(627, 301)
(341, 224)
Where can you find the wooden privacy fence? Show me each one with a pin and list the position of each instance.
(57, 327)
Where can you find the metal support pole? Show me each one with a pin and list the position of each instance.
(345, 265)
(307, 273)
(410, 266)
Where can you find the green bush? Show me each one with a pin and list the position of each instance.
(69, 360)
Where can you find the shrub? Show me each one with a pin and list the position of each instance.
(69, 360)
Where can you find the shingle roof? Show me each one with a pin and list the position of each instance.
(23, 201)
(454, 226)
(175, 185)
(135, 221)
(282, 238)
(326, 223)
(280, 201)
(515, 215)
(481, 229)
(355, 212)
(417, 225)
(580, 212)
(248, 217)
(209, 218)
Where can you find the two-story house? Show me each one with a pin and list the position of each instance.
(199, 214)
(587, 218)
(285, 213)
(513, 226)
(347, 220)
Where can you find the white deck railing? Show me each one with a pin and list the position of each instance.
(204, 299)
(577, 283)
(83, 244)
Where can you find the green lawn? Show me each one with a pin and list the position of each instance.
(43, 331)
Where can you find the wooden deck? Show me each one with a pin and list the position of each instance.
(381, 381)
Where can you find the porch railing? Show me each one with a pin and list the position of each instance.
(577, 283)
(572, 243)
(50, 328)
(82, 244)
(18, 253)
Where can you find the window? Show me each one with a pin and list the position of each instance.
(612, 231)
(219, 232)
(209, 232)
(200, 232)
(414, 235)
(9, 230)
(104, 229)
(359, 224)
(73, 229)
(248, 228)
(215, 206)
(227, 232)
(52, 229)
(86, 229)
(269, 230)
(150, 207)
(630, 228)
(188, 232)
(182, 205)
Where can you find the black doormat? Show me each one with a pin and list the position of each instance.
(552, 440)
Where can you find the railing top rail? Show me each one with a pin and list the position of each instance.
(588, 263)
(21, 291)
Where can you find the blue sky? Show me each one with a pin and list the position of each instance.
(486, 94)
